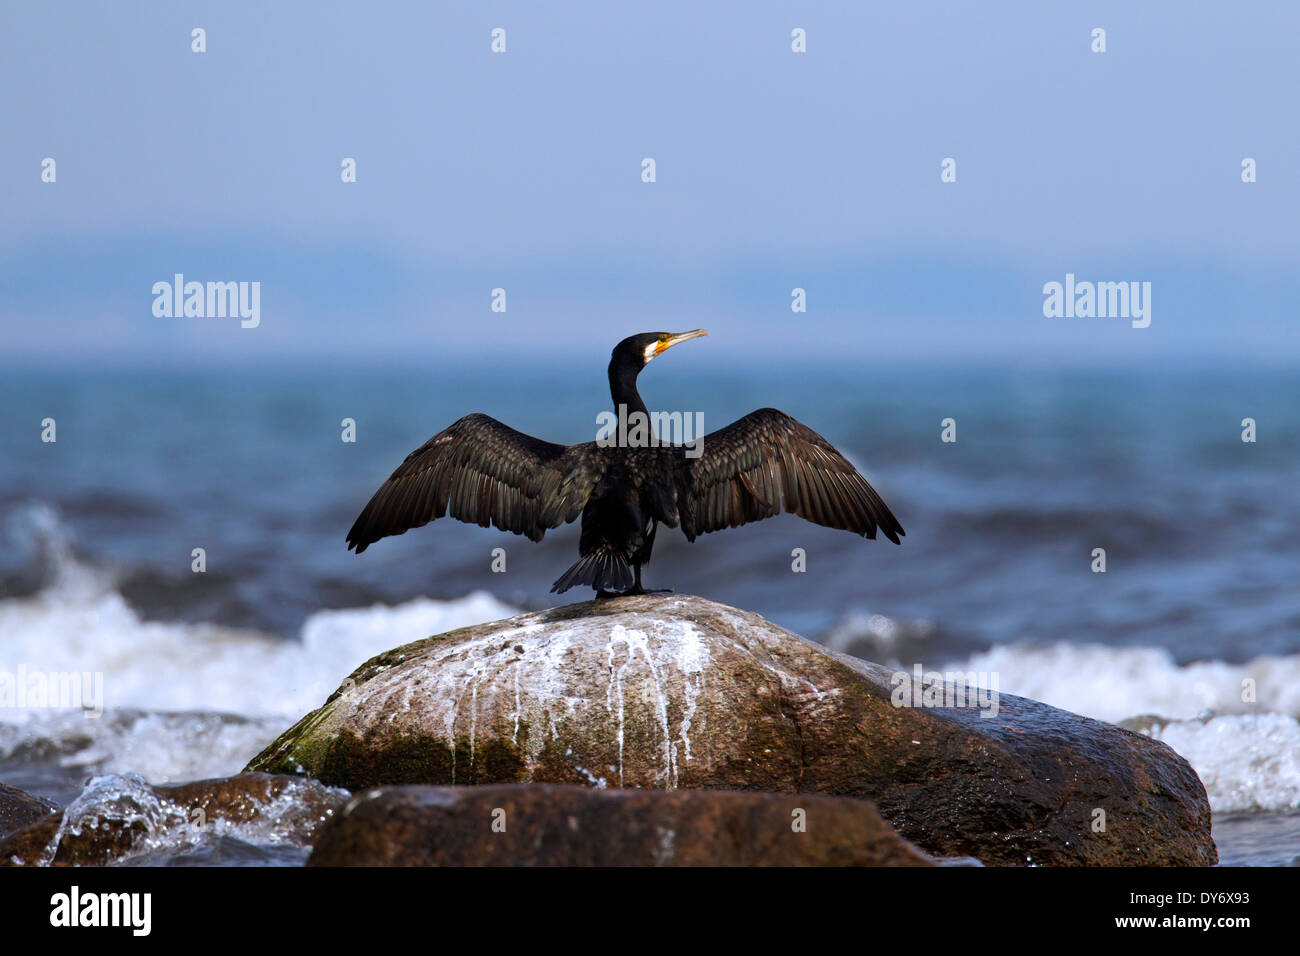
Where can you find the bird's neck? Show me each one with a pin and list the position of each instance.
(622, 388)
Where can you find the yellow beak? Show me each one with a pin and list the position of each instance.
(679, 337)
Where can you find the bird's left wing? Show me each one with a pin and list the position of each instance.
(481, 472)
(749, 469)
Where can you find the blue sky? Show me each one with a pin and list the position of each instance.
(774, 170)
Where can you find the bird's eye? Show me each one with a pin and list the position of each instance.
(663, 338)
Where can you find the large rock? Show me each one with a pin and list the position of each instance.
(673, 691)
(18, 809)
(541, 825)
(118, 817)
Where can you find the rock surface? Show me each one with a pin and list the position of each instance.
(117, 817)
(673, 691)
(542, 825)
(18, 809)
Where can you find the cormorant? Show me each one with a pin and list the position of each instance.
(483, 472)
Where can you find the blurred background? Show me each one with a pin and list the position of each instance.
(774, 170)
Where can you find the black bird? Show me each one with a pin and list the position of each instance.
(483, 472)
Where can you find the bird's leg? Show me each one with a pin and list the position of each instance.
(637, 589)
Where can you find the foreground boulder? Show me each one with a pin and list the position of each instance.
(118, 817)
(673, 691)
(541, 825)
(18, 809)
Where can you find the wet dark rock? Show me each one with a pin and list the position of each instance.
(18, 809)
(676, 692)
(546, 825)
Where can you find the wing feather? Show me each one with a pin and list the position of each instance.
(482, 472)
(758, 464)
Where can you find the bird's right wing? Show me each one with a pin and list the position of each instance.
(748, 469)
(481, 472)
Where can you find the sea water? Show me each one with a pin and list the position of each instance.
(998, 572)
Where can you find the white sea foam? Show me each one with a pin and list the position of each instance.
(165, 829)
(1115, 683)
(1247, 763)
(185, 701)
(155, 665)
(163, 747)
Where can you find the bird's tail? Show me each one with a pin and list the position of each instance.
(604, 569)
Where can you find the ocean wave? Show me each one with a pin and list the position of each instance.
(168, 666)
(1248, 763)
(190, 700)
(166, 832)
(1118, 683)
(161, 747)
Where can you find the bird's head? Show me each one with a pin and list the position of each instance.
(637, 351)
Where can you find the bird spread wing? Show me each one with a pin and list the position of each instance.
(481, 472)
(748, 469)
